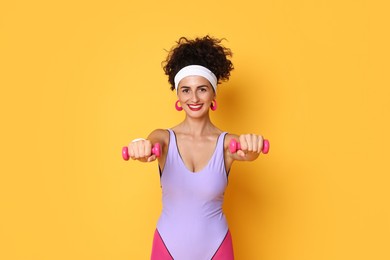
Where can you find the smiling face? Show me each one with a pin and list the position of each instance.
(195, 94)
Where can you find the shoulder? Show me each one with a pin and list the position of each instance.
(159, 136)
(159, 132)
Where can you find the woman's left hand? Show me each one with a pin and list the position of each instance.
(251, 146)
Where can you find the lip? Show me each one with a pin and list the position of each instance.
(195, 107)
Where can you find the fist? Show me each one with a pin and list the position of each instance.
(251, 144)
(141, 150)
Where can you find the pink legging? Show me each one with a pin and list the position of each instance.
(160, 251)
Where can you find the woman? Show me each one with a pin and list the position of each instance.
(195, 159)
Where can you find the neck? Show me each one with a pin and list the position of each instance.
(197, 126)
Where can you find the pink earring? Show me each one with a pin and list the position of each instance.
(214, 105)
(177, 106)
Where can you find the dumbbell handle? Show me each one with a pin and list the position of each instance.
(156, 150)
(234, 146)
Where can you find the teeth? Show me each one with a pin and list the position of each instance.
(195, 106)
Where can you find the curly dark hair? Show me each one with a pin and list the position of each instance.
(206, 51)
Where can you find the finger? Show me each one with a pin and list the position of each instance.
(148, 148)
(255, 143)
(249, 142)
(243, 143)
(241, 153)
(141, 149)
(131, 151)
(260, 144)
(152, 158)
(248, 139)
(136, 149)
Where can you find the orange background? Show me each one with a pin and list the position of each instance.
(80, 79)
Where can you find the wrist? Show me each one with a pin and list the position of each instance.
(138, 139)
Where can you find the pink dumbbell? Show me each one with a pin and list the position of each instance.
(156, 150)
(234, 146)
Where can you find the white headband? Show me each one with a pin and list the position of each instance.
(196, 70)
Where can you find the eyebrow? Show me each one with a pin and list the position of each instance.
(200, 86)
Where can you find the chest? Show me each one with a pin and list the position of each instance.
(196, 154)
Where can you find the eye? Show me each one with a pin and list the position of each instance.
(203, 89)
(185, 90)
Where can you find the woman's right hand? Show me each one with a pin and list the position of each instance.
(141, 150)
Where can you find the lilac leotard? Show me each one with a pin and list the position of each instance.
(192, 225)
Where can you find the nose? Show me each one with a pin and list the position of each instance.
(194, 97)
